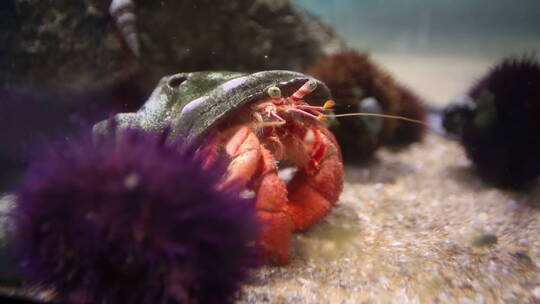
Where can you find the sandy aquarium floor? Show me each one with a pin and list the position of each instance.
(415, 226)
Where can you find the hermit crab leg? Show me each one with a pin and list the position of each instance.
(271, 204)
(242, 145)
(275, 115)
(318, 183)
(251, 161)
(123, 13)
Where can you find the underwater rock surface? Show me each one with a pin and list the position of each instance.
(405, 231)
(73, 46)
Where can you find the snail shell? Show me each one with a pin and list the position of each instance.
(201, 114)
(194, 103)
(123, 13)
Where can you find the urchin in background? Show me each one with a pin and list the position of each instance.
(359, 85)
(499, 126)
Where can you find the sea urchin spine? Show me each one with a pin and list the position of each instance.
(132, 219)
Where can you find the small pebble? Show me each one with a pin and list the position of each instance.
(523, 257)
(485, 239)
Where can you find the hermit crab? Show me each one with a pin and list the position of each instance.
(262, 122)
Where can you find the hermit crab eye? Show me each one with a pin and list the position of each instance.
(312, 84)
(274, 92)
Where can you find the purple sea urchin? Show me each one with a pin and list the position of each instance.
(132, 220)
(501, 130)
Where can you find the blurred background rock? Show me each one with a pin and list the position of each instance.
(73, 46)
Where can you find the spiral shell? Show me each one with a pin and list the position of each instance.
(123, 13)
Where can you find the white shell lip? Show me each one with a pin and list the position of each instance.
(191, 105)
(231, 84)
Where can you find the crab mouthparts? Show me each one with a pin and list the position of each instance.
(289, 106)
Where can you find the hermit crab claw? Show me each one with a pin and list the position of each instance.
(299, 139)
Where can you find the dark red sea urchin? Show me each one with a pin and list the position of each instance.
(502, 133)
(132, 220)
(355, 81)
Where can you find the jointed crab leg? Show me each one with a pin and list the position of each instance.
(308, 196)
(316, 188)
(296, 110)
(243, 147)
(275, 115)
(271, 207)
(251, 161)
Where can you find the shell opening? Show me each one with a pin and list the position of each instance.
(176, 80)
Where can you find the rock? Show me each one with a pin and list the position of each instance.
(68, 47)
(65, 61)
(61, 47)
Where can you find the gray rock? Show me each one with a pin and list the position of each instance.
(64, 46)
(62, 61)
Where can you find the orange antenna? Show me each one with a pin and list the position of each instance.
(330, 103)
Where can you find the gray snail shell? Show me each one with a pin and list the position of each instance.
(194, 103)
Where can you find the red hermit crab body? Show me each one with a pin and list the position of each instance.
(261, 132)
(278, 130)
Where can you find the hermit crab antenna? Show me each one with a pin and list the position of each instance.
(305, 89)
(325, 116)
